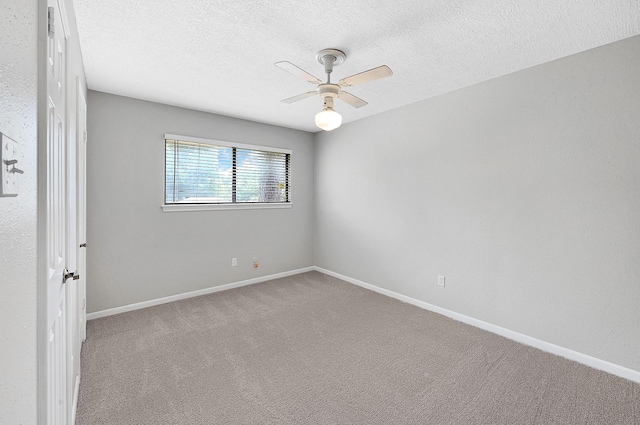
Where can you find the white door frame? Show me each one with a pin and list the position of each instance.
(81, 125)
(75, 290)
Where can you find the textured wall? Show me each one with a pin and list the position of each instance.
(18, 215)
(524, 191)
(137, 252)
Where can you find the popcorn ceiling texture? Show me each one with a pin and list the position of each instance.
(218, 56)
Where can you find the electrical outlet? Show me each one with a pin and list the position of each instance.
(256, 264)
(440, 280)
(234, 262)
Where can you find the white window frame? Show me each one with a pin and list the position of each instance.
(228, 206)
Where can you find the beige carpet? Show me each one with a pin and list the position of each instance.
(311, 349)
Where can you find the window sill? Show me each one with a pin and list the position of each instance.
(218, 207)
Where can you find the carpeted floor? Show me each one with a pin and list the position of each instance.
(312, 349)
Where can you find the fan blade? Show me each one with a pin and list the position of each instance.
(288, 66)
(370, 75)
(352, 100)
(299, 97)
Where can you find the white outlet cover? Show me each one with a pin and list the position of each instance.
(8, 152)
(440, 280)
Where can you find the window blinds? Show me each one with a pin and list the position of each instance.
(205, 173)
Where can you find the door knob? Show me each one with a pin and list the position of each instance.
(69, 275)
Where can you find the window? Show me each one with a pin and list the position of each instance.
(212, 174)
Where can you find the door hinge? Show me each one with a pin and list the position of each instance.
(51, 27)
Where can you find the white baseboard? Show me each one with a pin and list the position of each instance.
(158, 301)
(587, 360)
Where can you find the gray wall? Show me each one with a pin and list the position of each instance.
(524, 191)
(136, 251)
(18, 215)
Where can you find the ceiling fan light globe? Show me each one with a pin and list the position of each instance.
(328, 120)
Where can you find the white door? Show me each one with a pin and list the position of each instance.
(56, 221)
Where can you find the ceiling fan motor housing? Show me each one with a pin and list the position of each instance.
(328, 90)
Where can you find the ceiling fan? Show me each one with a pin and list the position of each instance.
(328, 119)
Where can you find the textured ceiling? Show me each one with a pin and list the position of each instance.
(217, 56)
